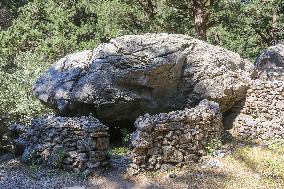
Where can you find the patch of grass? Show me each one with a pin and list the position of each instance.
(248, 166)
(120, 151)
(268, 161)
(276, 144)
(252, 166)
(33, 167)
(61, 156)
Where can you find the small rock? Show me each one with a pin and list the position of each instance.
(166, 167)
(86, 144)
(212, 163)
(219, 153)
(172, 175)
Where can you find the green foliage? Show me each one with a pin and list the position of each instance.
(61, 156)
(56, 28)
(120, 151)
(247, 28)
(276, 144)
(244, 27)
(16, 99)
(17, 104)
(158, 16)
(33, 167)
(126, 136)
(8, 11)
(213, 145)
(268, 161)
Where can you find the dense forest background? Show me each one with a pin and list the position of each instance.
(34, 33)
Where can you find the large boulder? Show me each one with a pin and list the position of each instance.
(137, 74)
(270, 64)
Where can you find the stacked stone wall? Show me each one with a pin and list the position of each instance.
(73, 143)
(175, 137)
(262, 115)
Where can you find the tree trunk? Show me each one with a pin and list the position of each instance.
(274, 27)
(5, 17)
(200, 18)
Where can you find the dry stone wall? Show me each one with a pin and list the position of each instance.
(262, 116)
(78, 143)
(175, 137)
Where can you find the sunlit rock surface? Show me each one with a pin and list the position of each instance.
(137, 74)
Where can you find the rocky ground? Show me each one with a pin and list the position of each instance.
(244, 166)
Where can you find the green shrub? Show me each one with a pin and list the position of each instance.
(213, 145)
(56, 28)
(126, 136)
(17, 102)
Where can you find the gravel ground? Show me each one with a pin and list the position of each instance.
(246, 168)
(16, 175)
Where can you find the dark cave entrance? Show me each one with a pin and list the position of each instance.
(230, 115)
(120, 132)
